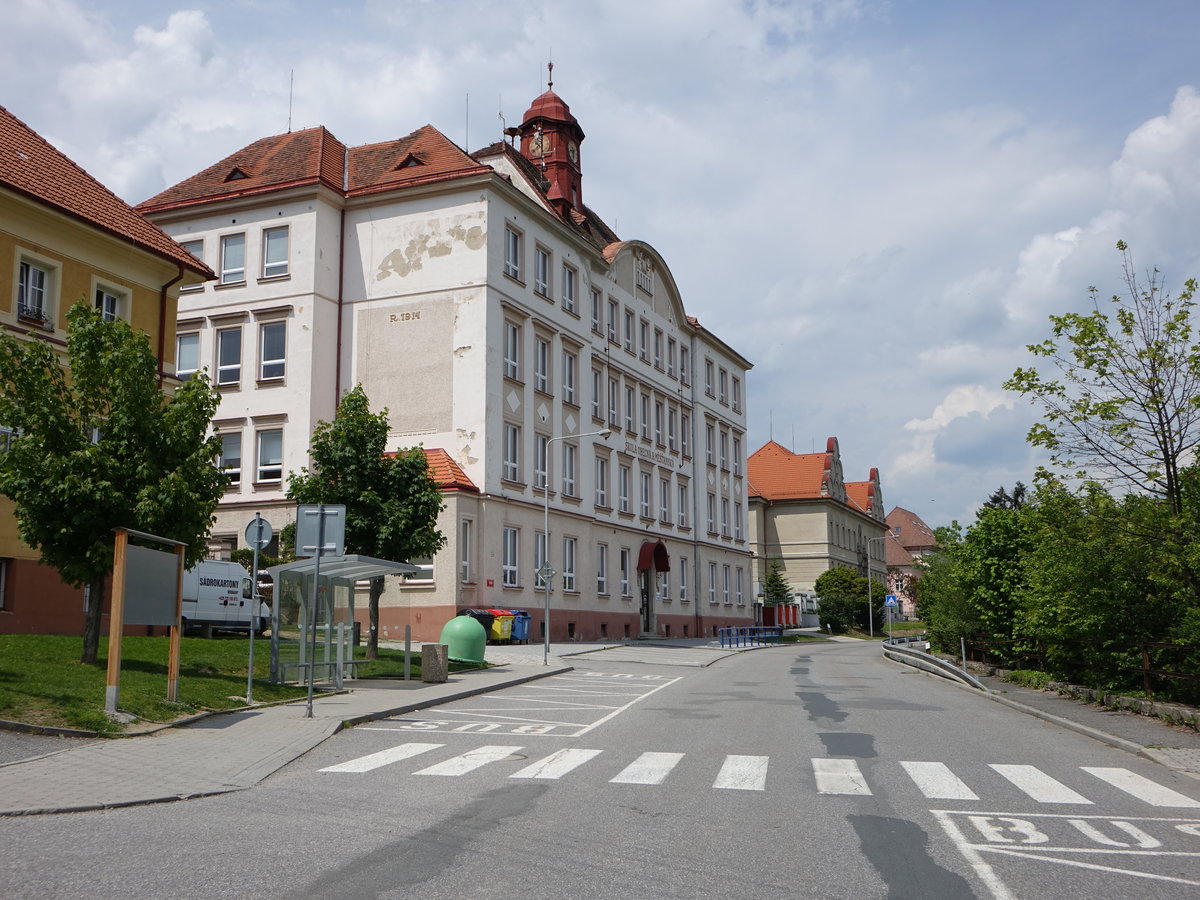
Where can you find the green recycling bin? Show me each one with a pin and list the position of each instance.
(465, 639)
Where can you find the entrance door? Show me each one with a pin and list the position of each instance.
(646, 586)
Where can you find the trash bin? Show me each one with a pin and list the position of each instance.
(520, 626)
(483, 616)
(465, 638)
(501, 630)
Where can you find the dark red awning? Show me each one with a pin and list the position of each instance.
(653, 555)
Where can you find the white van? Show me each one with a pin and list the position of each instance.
(219, 593)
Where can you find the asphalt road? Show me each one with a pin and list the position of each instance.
(800, 771)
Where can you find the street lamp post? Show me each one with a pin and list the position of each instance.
(546, 571)
(894, 534)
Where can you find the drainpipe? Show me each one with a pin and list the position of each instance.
(337, 377)
(162, 322)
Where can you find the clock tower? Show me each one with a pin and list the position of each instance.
(550, 139)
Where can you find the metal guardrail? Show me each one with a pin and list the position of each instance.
(750, 635)
(929, 663)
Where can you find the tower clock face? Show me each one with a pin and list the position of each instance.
(573, 151)
(539, 145)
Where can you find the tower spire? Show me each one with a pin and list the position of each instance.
(550, 75)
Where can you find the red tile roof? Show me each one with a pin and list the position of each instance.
(31, 166)
(314, 156)
(913, 533)
(776, 473)
(446, 472)
(860, 494)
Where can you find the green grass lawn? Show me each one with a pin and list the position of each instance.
(42, 681)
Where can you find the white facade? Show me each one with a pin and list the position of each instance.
(497, 329)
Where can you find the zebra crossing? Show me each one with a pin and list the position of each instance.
(831, 776)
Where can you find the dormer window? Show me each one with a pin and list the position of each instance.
(237, 173)
(409, 161)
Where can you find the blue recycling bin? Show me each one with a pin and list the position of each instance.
(520, 626)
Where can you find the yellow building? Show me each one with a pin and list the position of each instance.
(65, 237)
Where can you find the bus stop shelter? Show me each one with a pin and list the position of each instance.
(293, 612)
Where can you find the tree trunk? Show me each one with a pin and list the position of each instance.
(91, 622)
(373, 613)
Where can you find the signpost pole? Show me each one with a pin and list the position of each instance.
(312, 657)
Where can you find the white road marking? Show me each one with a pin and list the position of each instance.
(1143, 788)
(649, 768)
(971, 854)
(470, 761)
(621, 709)
(1040, 786)
(556, 765)
(937, 782)
(839, 776)
(743, 773)
(382, 758)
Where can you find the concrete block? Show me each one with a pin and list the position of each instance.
(435, 663)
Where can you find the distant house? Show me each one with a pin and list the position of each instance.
(913, 539)
(803, 514)
(65, 237)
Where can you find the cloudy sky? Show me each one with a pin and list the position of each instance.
(878, 202)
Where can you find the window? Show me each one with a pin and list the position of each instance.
(541, 365)
(685, 431)
(512, 253)
(629, 330)
(625, 560)
(685, 365)
(683, 506)
(737, 586)
(712, 513)
(464, 553)
(646, 416)
(7, 433)
(723, 376)
(708, 377)
(272, 350)
(737, 521)
(512, 452)
(107, 304)
(710, 437)
(658, 348)
(230, 460)
(664, 500)
(270, 455)
(623, 488)
(737, 394)
(275, 252)
(672, 419)
(725, 584)
(712, 582)
(229, 355)
(512, 351)
(601, 482)
(33, 292)
(196, 248)
(644, 334)
(643, 275)
(568, 476)
(541, 444)
(539, 560)
(510, 571)
(724, 449)
(614, 402)
(647, 511)
(683, 579)
(602, 568)
(629, 409)
(568, 377)
(597, 380)
(671, 356)
(568, 288)
(664, 585)
(596, 326)
(187, 355)
(612, 320)
(233, 259)
(541, 271)
(658, 422)
(568, 564)
(725, 517)
(737, 455)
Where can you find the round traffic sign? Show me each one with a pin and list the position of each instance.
(259, 533)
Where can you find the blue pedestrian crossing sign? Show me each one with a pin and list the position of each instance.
(890, 601)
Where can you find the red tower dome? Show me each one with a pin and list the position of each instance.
(550, 139)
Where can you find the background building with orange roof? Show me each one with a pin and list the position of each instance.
(913, 540)
(64, 237)
(804, 514)
(504, 325)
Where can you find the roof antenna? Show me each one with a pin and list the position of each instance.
(550, 76)
(291, 82)
(467, 123)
